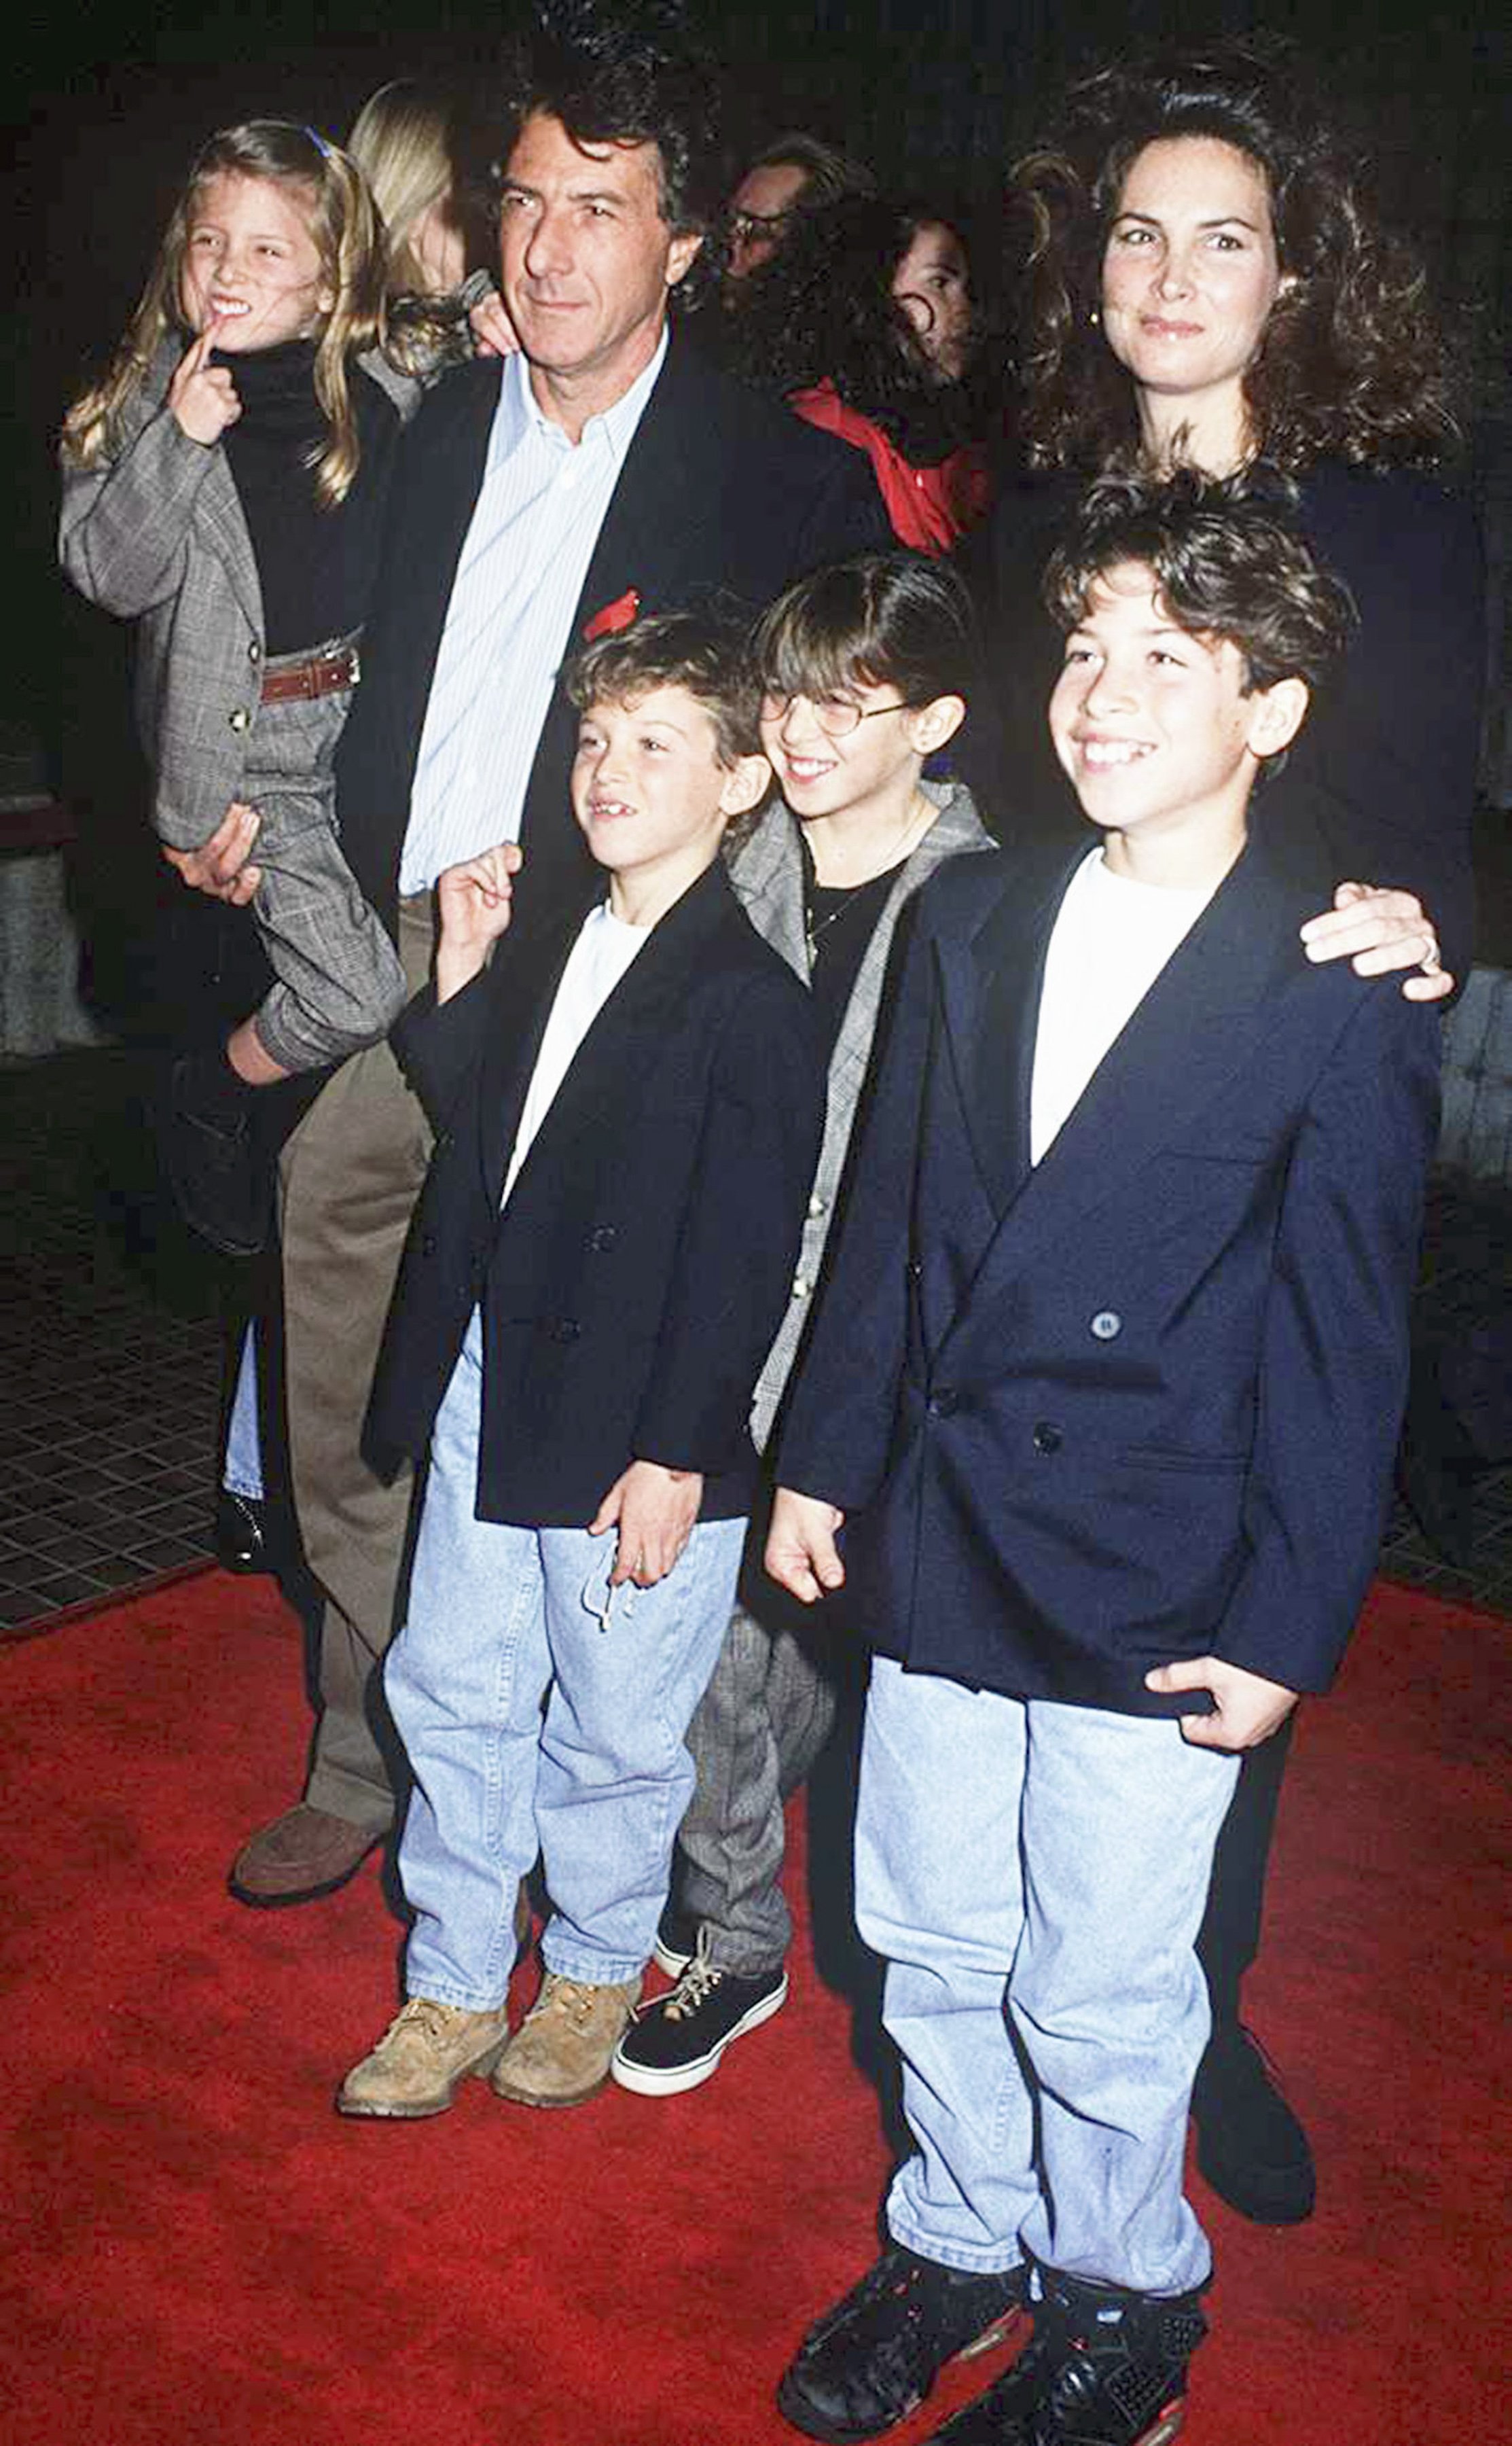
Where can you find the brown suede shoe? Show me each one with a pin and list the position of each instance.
(560, 2054)
(304, 1852)
(425, 2053)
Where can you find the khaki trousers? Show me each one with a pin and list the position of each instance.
(350, 1175)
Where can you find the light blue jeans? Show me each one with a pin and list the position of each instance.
(241, 1472)
(1055, 1860)
(541, 1711)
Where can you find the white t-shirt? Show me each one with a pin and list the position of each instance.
(1110, 940)
(606, 945)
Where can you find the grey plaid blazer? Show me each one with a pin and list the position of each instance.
(767, 873)
(156, 535)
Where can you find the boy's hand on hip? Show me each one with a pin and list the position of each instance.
(475, 902)
(655, 1510)
(801, 1553)
(1246, 1707)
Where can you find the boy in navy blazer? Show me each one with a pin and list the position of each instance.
(627, 1102)
(1104, 1392)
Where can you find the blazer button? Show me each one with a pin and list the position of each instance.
(603, 1239)
(443, 1139)
(428, 1245)
(816, 1208)
(943, 1403)
(800, 1287)
(1106, 1324)
(1048, 1437)
(238, 716)
(565, 1329)
(254, 652)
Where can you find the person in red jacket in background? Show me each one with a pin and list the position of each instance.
(865, 322)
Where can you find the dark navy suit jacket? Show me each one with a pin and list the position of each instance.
(1139, 1401)
(720, 490)
(632, 1285)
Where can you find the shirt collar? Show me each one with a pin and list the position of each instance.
(518, 413)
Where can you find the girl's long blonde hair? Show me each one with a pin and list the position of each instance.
(333, 197)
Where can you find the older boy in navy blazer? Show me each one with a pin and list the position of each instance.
(1105, 1392)
(627, 1103)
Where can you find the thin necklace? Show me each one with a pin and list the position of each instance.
(919, 813)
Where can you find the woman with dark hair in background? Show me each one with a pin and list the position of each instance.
(1207, 286)
(863, 323)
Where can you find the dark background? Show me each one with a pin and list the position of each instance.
(104, 108)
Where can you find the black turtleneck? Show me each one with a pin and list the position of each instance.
(316, 566)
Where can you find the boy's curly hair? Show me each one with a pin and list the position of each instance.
(705, 651)
(1227, 559)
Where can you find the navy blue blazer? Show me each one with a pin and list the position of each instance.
(720, 490)
(1139, 1401)
(633, 1282)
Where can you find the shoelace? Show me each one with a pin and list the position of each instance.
(566, 1998)
(427, 2015)
(697, 1984)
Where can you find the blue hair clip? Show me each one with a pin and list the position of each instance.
(319, 142)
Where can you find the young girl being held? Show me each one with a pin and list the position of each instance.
(224, 487)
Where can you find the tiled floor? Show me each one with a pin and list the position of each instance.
(111, 1354)
(109, 1347)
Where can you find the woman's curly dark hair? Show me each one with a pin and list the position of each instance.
(1351, 363)
(823, 308)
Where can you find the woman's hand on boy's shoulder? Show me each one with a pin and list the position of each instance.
(475, 902)
(1379, 931)
(1246, 1707)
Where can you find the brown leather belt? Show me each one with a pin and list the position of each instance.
(312, 675)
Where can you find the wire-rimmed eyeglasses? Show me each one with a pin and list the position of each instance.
(837, 716)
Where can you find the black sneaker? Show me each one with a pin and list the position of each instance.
(1250, 2146)
(676, 1940)
(1103, 2369)
(875, 2355)
(677, 2042)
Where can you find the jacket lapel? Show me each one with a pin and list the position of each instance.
(1006, 945)
(620, 1050)
(1193, 1029)
(674, 457)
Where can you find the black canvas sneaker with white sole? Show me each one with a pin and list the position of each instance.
(677, 2042)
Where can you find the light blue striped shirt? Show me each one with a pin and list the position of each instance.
(539, 509)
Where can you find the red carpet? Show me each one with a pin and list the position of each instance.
(199, 2250)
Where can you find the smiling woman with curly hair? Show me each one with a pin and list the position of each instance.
(1347, 361)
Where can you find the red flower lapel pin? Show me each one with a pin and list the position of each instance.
(613, 618)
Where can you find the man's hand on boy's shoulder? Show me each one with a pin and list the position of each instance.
(655, 1510)
(1381, 932)
(1247, 1709)
(473, 904)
